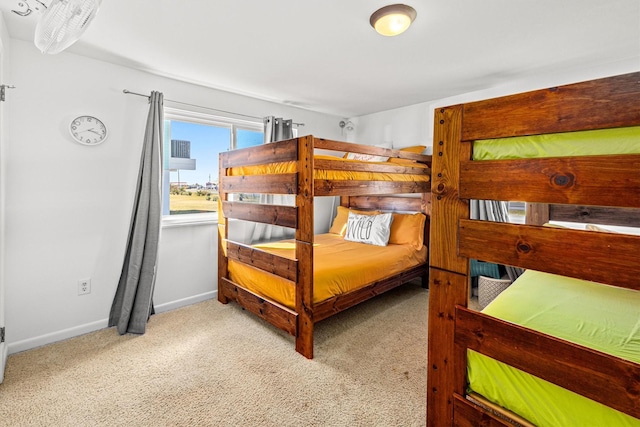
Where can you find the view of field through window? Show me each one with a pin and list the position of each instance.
(191, 159)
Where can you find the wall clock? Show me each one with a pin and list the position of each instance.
(88, 130)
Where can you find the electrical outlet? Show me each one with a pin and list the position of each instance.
(84, 286)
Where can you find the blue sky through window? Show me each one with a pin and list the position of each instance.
(248, 138)
(206, 142)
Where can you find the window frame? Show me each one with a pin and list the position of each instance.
(207, 119)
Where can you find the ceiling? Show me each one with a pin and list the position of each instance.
(324, 56)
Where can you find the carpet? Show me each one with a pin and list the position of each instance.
(211, 364)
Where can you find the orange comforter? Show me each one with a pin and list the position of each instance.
(329, 174)
(339, 266)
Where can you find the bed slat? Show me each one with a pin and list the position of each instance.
(601, 257)
(339, 303)
(468, 414)
(390, 203)
(606, 379)
(284, 216)
(279, 316)
(325, 187)
(589, 180)
(280, 266)
(596, 104)
(281, 151)
(285, 183)
(391, 168)
(628, 217)
(541, 213)
(328, 144)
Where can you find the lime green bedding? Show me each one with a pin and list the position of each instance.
(605, 319)
(585, 143)
(601, 317)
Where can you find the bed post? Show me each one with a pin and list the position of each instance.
(537, 213)
(223, 232)
(425, 207)
(304, 247)
(448, 272)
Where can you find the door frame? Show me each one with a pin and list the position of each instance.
(3, 131)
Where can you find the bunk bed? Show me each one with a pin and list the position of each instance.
(596, 187)
(368, 180)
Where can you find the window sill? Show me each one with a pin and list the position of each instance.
(189, 220)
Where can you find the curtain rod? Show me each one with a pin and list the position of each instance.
(128, 92)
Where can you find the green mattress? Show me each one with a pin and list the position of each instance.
(601, 317)
(606, 319)
(584, 143)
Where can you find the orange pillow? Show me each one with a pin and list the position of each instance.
(417, 149)
(404, 162)
(408, 229)
(339, 225)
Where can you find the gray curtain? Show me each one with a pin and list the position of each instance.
(275, 129)
(133, 304)
(494, 210)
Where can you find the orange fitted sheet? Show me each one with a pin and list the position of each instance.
(329, 174)
(339, 267)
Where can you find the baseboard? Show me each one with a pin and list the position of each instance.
(76, 331)
(31, 343)
(172, 305)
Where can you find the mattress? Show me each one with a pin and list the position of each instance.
(340, 266)
(585, 143)
(606, 319)
(330, 174)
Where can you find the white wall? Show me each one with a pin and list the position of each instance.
(413, 125)
(403, 127)
(68, 206)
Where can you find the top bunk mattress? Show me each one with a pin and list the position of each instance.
(601, 317)
(585, 143)
(337, 175)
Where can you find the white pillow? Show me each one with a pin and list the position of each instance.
(370, 229)
(366, 157)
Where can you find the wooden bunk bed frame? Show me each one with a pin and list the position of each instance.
(586, 189)
(366, 195)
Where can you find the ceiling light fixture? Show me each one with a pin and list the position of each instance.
(393, 19)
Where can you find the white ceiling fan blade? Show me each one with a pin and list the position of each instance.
(63, 23)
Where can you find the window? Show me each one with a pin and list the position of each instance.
(517, 212)
(192, 142)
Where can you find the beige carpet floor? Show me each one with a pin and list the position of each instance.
(211, 364)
